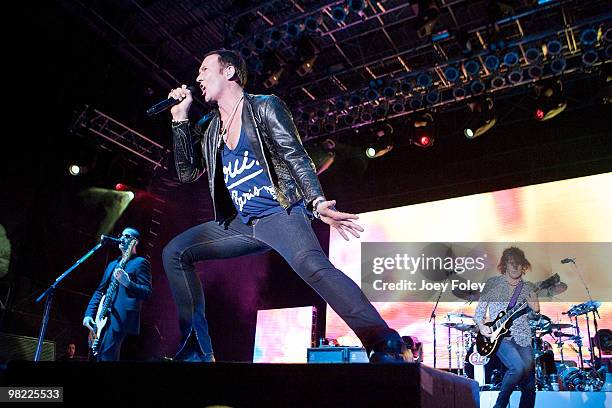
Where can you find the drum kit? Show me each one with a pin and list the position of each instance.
(551, 374)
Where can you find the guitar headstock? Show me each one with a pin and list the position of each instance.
(128, 251)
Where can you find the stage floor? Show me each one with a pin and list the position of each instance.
(554, 399)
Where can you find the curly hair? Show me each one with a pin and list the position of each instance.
(517, 255)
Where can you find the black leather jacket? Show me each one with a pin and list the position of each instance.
(268, 124)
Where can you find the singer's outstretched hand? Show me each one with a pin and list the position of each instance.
(180, 111)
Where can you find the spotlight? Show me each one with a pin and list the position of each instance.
(354, 99)
(424, 80)
(588, 37)
(558, 65)
(381, 110)
(356, 6)
(498, 82)
(276, 36)
(459, 92)
(511, 59)
(472, 67)
(416, 102)
(491, 62)
(590, 57)
(535, 71)
(477, 87)
(273, 67)
(366, 114)
(451, 74)
(515, 76)
(293, 30)
(533, 55)
(74, 169)
(308, 53)
(481, 118)
(383, 143)
(549, 102)
(311, 24)
(427, 12)
(423, 131)
(339, 14)
(322, 154)
(398, 106)
(121, 187)
(554, 47)
(405, 87)
(432, 97)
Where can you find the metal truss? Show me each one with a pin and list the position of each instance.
(112, 133)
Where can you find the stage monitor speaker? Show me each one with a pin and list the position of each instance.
(337, 355)
(14, 347)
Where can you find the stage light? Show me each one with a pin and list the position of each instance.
(550, 101)
(515, 76)
(424, 80)
(590, 57)
(432, 97)
(459, 92)
(356, 6)
(498, 82)
(535, 71)
(451, 74)
(427, 12)
(339, 14)
(74, 169)
(477, 87)
(554, 47)
(472, 67)
(481, 117)
(558, 65)
(383, 143)
(121, 187)
(293, 30)
(311, 24)
(416, 102)
(533, 55)
(322, 154)
(511, 59)
(588, 37)
(276, 36)
(130, 195)
(354, 99)
(381, 110)
(423, 131)
(308, 52)
(491, 62)
(398, 106)
(273, 68)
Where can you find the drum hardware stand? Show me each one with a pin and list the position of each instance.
(433, 316)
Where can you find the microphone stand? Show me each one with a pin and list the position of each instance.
(433, 316)
(48, 294)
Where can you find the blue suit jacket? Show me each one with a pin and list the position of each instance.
(125, 311)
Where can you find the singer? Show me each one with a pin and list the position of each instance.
(134, 287)
(265, 192)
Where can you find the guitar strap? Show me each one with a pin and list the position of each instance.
(515, 295)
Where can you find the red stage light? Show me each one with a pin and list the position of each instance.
(539, 114)
(425, 141)
(121, 187)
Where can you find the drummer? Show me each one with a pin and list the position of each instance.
(515, 351)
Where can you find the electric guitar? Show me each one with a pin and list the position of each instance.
(500, 327)
(104, 308)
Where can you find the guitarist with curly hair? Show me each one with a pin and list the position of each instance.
(503, 294)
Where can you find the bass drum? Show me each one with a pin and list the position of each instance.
(494, 370)
(575, 379)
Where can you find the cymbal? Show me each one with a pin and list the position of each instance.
(459, 326)
(561, 325)
(470, 295)
(461, 315)
(554, 290)
(584, 308)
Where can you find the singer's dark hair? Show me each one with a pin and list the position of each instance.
(517, 255)
(233, 58)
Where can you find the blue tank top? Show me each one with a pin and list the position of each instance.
(249, 186)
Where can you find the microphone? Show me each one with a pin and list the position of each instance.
(165, 104)
(106, 239)
(567, 260)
